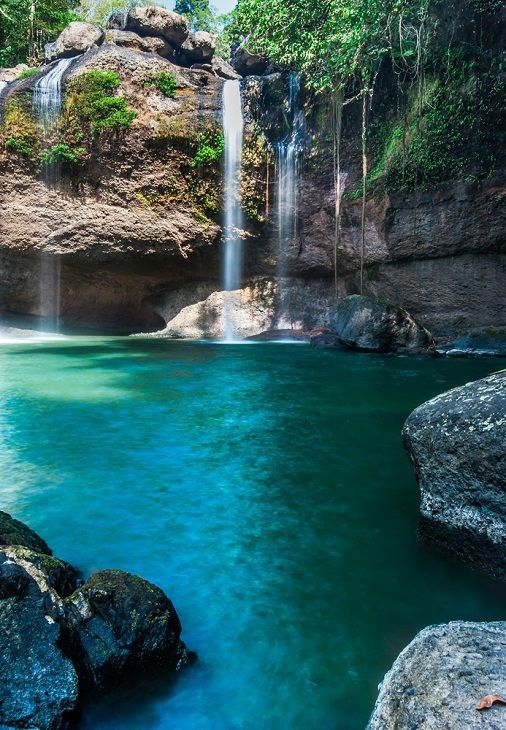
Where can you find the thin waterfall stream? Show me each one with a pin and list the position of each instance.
(288, 155)
(233, 130)
(47, 101)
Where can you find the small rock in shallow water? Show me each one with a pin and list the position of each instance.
(372, 325)
(123, 625)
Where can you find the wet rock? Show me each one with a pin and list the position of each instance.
(76, 38)
(372, 325)
(14, 532)
(198, 47)
(117, 21)
(247, 63)
(156, 21)
(12, 74)
(324, 337)
(39, 687)
(439, 678)
(133, 41)
(223, 69)
(123, 626)
(456, 445)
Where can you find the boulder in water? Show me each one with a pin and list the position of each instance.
(135, 42)
(440, 677)
(77, 38)
(198, 47)
(14, 532)
(123, 625)
(39, 687)
(456, 445)
(155, 21)
(369, 324)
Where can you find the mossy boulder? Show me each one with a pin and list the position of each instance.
(39, 687)
(372, 325)
(14, 532)
(123, 625)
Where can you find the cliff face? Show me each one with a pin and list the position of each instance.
(136, 230)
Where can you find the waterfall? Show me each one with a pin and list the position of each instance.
(47, 94)
(233, 125)
(288, 153)
(47, 101)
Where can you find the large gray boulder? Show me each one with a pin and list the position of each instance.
(39, 685)
(369, 324)
(456, 443)
(123, 626)
(135, 42)
(199, 47)
(441, 676)
(77, 38)
(155, 21)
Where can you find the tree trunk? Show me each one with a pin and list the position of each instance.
(365, 96)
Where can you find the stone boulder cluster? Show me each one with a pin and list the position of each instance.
(148, 29)
(62, 639)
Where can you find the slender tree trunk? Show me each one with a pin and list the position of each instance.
(365, 95)
(337, 119)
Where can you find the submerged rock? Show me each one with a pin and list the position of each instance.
(123, 625)
(39, 687)
(14, 532)
(439, 678)
(456, 445)
(76, 38)
(155, 21)
(372, 325)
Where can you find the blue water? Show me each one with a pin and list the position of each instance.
(265, 488)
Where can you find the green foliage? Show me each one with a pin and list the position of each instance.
(198, 12)
(90, 107)
(98, 11)
(62, 153)
(164, 81)
(26, 25)
(28, 73)
(211, 144)
(19, 131)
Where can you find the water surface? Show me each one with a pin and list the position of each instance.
(265, 488)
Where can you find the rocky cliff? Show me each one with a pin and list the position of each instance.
(136, 227)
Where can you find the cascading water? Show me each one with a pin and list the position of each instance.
(288, 154)
(47, 101)
(233, 126)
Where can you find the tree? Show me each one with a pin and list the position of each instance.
(25, 25)
(198, 12)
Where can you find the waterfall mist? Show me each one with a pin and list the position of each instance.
(233, 127)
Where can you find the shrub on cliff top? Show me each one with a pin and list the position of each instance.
(164, 81)
(90, 103)
(19, 130)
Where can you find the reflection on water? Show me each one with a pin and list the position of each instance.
(264, 488)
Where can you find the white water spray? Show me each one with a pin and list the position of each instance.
(233, 127)
(47, 100)
(288, 153)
